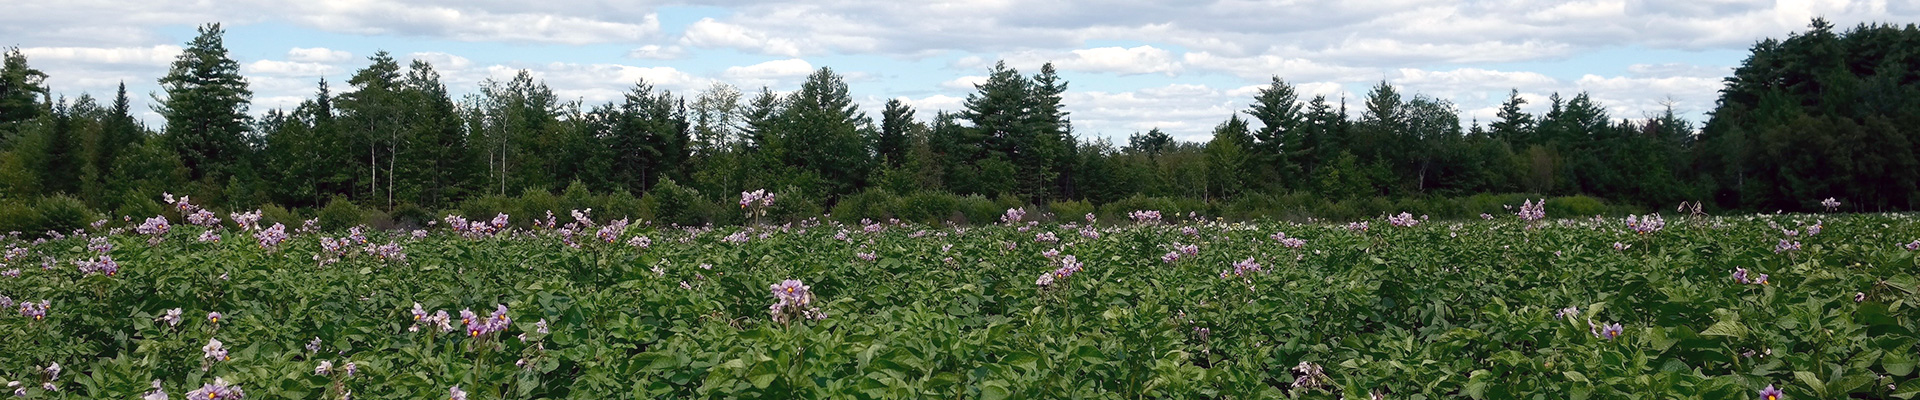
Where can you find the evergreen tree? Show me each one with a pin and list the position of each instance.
(23, 91)
(895, 122)
(206, 107)
(1280, 150)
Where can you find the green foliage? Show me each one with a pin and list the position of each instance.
(1070, 211)
(670, 203)
(873, 204)
(929, 208)
(341, 214)
(409, 216)
(1438, 310)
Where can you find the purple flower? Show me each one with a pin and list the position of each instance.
(313, 346)
(1771, 393)
(456, 394)
(1831, 205)
(1357, 226)
(99, 244)
(1013, 216)
(1171, 257)
(209, 236)
(213, 317)
(1244, 267)
(1046, 237)
(1189, 231)
(1568, 312)
(272, 236)
(171, 317)
(214, 350)
(794, 300)
(1621, 246)
(1859, 296)
(37, 311)
(1610, 332)
(1786, 245)
(1403, 220)
(1144, 216)
(218, 390)
(736, 237)
(1046, 279)
(153, 226)
(1531, 211)
(1815, 228)
(1646, 224)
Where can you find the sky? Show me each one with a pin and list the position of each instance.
(1182, 66)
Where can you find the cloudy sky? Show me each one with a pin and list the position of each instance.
(1182, 66)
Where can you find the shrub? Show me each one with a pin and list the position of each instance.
(409, 216)
(1575, 206)
(275, 214)
(62, 214)
(1064, 211)
(977, 210)
(670, 203)
(340, 214)
(876, 204)
(929, 207)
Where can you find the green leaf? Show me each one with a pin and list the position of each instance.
(1728, 328)
(1812, 381)
(1897, 363)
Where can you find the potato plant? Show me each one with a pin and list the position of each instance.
(1817, 306)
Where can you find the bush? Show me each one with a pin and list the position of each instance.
(977, 210)
(928, 207)
(19, 216)
(484, 208)
(670, 203)
(340, 214)
(875, 204)
(63, 214)
(1064, 211)
(275, 214)
(620, 204)
(534, 204)
(789, 205)
(409, 216)
(137, 206)
(1575, 207)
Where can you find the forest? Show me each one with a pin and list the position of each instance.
(1824, 113)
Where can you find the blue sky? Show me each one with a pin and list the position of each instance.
(1182, 66)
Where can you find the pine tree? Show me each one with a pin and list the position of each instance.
(23, 91)
(206, 107)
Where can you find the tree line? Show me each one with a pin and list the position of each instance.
(1819, 114)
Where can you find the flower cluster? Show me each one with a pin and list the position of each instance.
(1046, 237)
(37, 311)
(736, 237)
(1567, 313)
(1531, 211)
(1069, 265)
(272, 236)
(1288, 241)
(793, 300)
(1403, 220)
(1013, 216)
(640, 241)
(1309, 375)
(154, 226)
(1180, 250)
(1242, 268)
(758, 200)
(209, 236)
(250, 220)
(438, 319)
(203, 218)
(1740, 275)
(389, 251)
(1357, 226)
(1830, 204)
(1645, 224)
(218, 390)
(611, 233)
(102, 265)
(867, 256)
(1089, 232)
(1144, 216)
(455, 393)
(1621, 246)
(477, 325)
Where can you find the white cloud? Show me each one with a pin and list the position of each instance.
(318, 55)
(160, 55)
(657, 52)
(288, 68)
(443, 61)
(965, 83)
(1262, 67)
(787, 68)
(925, 107)
(1123, 61)
(710, 33)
